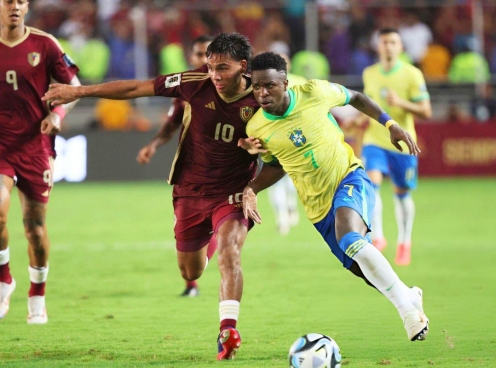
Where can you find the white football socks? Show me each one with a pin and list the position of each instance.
(377, 231)
(380, 273)
(405, 214)
(229, 309)
(4, 256)
(38, 275)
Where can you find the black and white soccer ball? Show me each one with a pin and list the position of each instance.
(314, 350)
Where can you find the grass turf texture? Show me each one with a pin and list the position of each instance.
(112, 292)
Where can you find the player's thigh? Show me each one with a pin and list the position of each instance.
(33, 211)
(230, 225)
(403, 170)
(34, 179)
(375, 161)
(7, 182)
(353, 204)
(326, 228)
(351, 211)
(192, 222)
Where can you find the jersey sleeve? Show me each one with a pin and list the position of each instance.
(418, 89)
(62, 67)
(333, 93)
(180, 85)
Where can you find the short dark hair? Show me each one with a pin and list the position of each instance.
(269, 60)
(202, 39)
(388, 30)
(234, 45)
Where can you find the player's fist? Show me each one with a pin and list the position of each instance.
(51, 124)
(392, 98)
(145, 154)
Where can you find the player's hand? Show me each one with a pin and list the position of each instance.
(51, 124)
(250, 205)
(252, 145)
(398, 134)
(146, 153)
(392, 98)
(60, 94)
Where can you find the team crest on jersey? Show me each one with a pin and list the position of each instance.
(383, 92)
(246, 113)
(34, 58)
(297, 137)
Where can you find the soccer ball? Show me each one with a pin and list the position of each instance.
(314, 350)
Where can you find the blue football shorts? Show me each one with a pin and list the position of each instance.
(400, 167)
(356, 192)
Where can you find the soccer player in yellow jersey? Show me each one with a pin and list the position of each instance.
(399, 88)
(300, 137)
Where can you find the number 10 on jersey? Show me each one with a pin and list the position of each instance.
(224, 132)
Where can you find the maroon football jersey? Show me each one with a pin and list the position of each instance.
(208, 159)
(26, 69)
(176, 112)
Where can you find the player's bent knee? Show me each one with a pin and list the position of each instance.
(190, 274)
(35, 234)
(351, 243)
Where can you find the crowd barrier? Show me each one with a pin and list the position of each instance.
(448, 149)
(457, 149)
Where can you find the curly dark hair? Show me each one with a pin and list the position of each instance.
(234, 45)
(269, 60)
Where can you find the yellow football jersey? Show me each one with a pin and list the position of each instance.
(408, 82)
(308, 143)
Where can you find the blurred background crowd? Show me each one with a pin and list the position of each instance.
(452, 41)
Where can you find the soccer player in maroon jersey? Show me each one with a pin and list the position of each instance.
(209, 170)
(29, 59)
(170, 126)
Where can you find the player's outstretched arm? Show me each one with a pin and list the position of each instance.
(60, 94)
(52, 122)
(269, 175)
(366, 105)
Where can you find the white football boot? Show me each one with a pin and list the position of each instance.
(416, 322)
(6, 291)
(37, 314)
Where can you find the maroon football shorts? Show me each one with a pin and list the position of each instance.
(33, 174)
(198, 218)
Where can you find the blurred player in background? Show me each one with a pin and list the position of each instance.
(282, 194)
(170, 126)
(209, 171)
(29, 59)
(302, 138)
(399, 88)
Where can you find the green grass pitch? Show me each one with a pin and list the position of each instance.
(112, 292)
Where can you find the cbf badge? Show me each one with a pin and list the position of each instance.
(34, 58)
(297, 137)
(246, 113)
